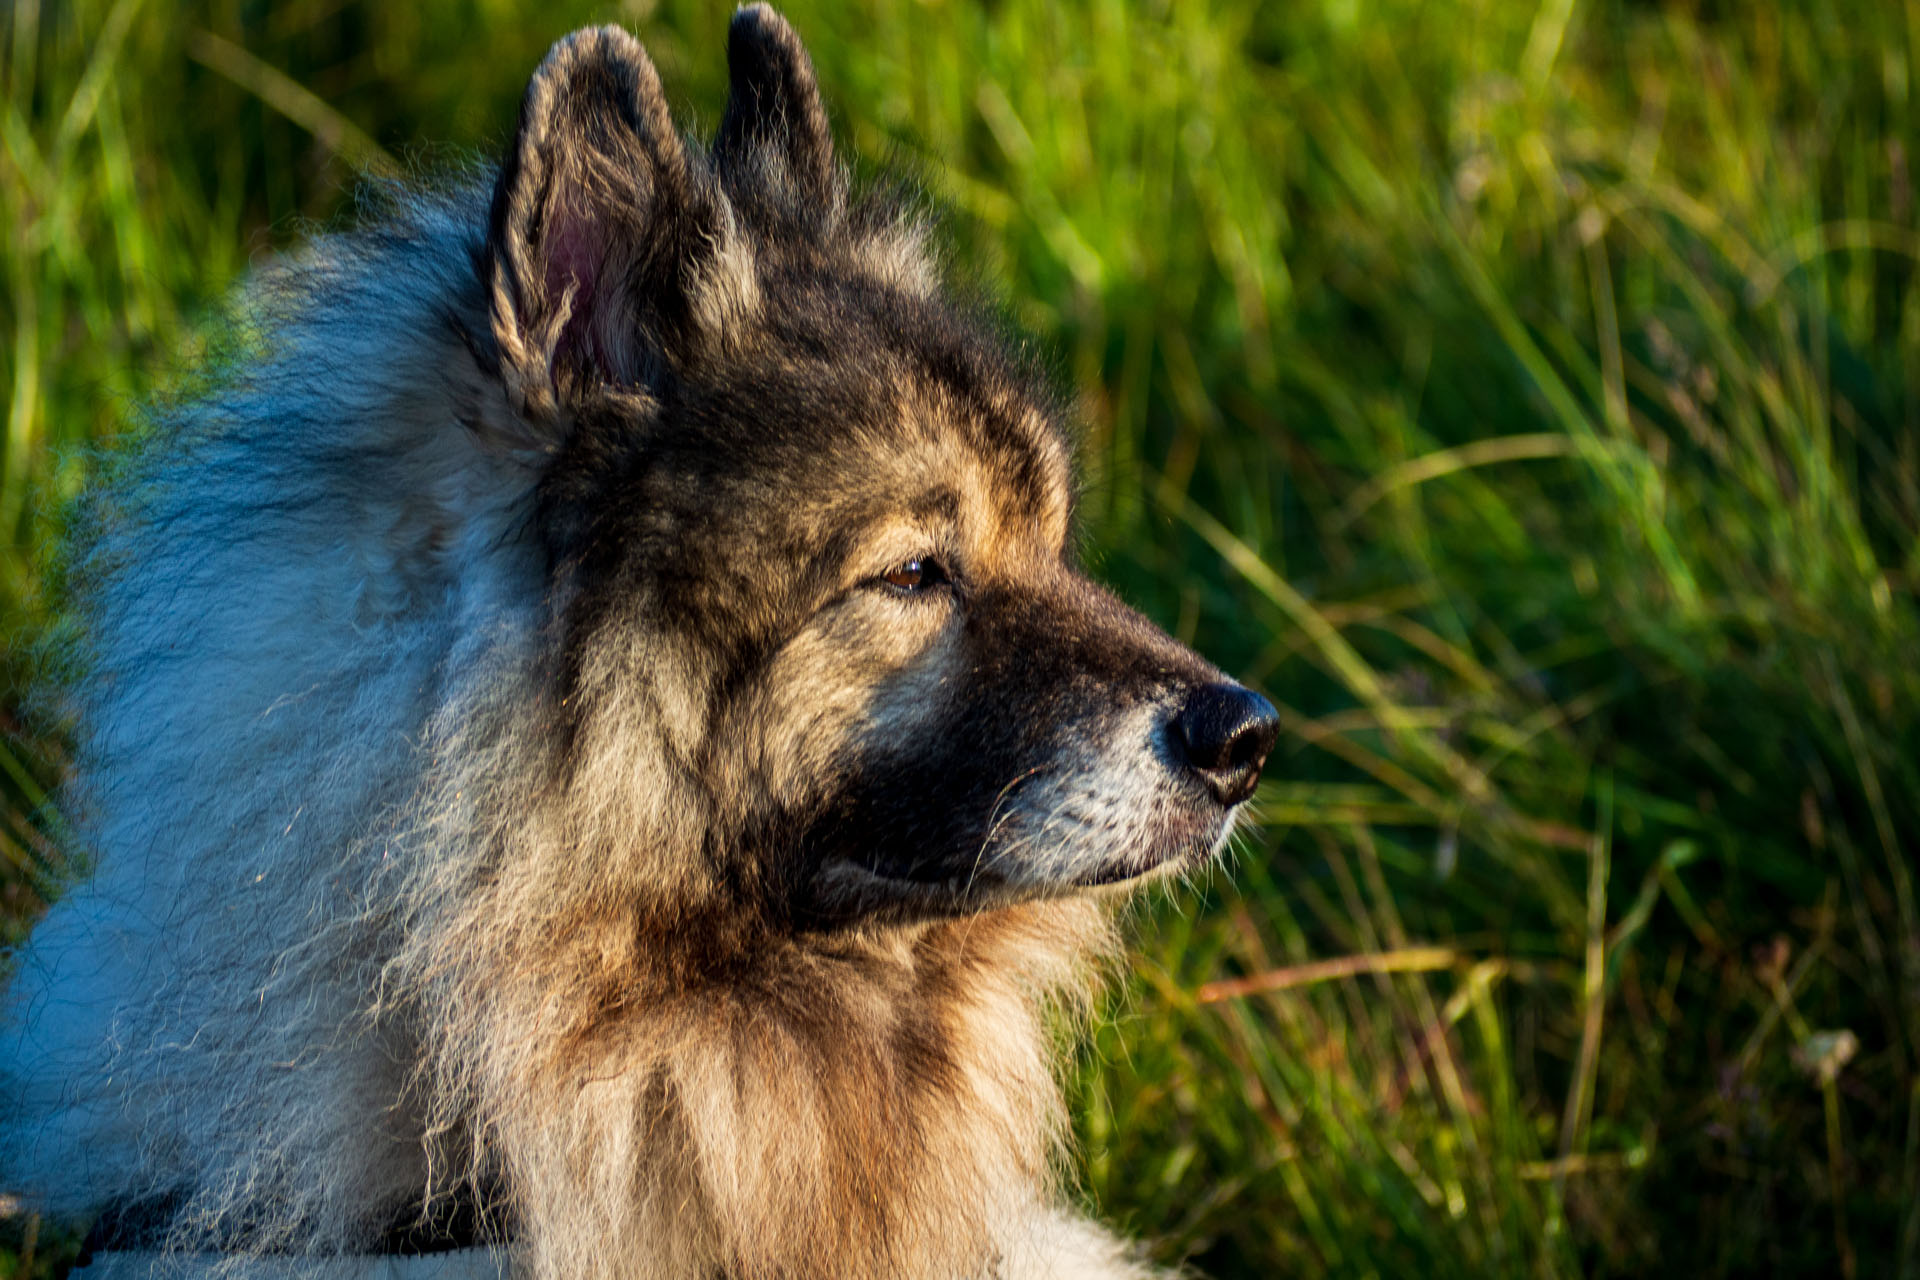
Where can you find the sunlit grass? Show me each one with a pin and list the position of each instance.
(1527, 397)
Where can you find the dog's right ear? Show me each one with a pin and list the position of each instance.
(598, 224)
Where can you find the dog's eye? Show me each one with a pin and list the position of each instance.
(914, 575)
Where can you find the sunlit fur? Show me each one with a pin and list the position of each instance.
(490, 705)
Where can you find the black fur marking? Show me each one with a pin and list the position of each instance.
(1043, 672)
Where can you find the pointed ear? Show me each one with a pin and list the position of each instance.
(774, 116)
(602, 228)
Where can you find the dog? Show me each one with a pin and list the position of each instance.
(594, 745)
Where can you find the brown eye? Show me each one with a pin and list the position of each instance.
(914, 575)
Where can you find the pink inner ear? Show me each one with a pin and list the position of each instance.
(574, 247)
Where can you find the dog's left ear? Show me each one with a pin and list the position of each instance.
(775, 124)
(610, 249)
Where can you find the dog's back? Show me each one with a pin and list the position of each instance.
(276, 586)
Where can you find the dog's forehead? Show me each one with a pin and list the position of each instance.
(1005, 464)
(986, 477)
(968, 452)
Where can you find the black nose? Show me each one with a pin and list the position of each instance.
(1225, 732)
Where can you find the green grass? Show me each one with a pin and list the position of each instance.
(1527, 397)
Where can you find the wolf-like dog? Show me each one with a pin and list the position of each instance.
(594, 744)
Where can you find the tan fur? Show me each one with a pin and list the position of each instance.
(668, 1096)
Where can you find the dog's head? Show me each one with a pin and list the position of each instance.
(809, 524)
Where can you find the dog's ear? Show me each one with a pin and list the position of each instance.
(609, 249)
(774, 120)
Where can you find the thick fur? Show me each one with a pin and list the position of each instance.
(519, 778)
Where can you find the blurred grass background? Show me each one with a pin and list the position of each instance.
(1527, 396)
